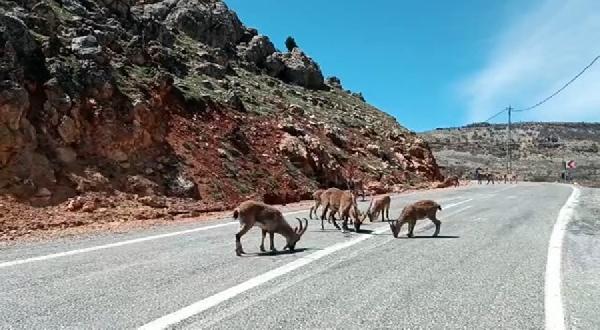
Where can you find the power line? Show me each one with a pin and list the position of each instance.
(560, 89)
(495, 115)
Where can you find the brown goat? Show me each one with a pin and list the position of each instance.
(414, 212)
(317, 199)
(342, 201)
(453, 181)
(270, 220)
(379, 204)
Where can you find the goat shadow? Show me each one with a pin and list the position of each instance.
(333, 230)
(278, 252)
(431, 237)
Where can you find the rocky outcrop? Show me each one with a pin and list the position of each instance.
(256, 50)
(296, 68)
(209, 22)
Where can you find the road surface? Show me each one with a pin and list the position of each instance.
(486, 270)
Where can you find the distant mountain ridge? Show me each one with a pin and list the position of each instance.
(538, 149)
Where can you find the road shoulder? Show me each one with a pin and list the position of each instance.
(582, 263)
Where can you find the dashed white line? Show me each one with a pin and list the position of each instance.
(209, 302)
(553, 305)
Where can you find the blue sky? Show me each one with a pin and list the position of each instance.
(446, 63)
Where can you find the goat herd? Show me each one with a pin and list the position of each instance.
(271, 220)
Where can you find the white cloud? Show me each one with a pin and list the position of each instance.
(534, 56)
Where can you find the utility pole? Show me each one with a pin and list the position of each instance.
(508, 143)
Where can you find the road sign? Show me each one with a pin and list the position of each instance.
(571, 164)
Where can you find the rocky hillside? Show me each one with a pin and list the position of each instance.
(177, 100)
(538, 149)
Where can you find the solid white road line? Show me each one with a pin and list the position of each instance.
(209, 302)
(111, 245)
(117, 244)
(553, 305)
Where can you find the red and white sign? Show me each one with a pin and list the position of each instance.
(571, 164)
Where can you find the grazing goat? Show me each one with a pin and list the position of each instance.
(379, 204)
(342, 201)
(317, 199)
(453, 181)
(414, 212)
(270, 220)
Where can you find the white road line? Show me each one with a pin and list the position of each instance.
(553, 306)
(122, 243)
(112, 245)
(209, 302)
(455, 204)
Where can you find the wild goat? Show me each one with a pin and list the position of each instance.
(317, 198)
(450, 181)
(379, 204)
(453, 181)
(270, 220)
(344, 202)
(417, 211)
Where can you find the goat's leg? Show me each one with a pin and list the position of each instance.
(323, 215)
(411, 228)
(272, 239)
(314, 209)
(238, 243)
(345, 223)
(437, 224)
(262, 241)
(332, 217)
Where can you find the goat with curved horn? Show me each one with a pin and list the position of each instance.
(271, 220)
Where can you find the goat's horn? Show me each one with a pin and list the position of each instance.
(300, 222)
(305, 225)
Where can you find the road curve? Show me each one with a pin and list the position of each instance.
(486, 270)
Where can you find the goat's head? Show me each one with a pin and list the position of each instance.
(393, 228)
(298, 232)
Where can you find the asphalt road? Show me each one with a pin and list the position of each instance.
(486, 270)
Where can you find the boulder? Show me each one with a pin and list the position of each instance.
(86, 47)
(296, 68)
(334, 82)
(75, 204)
(153, 201)
(120, 7)
(56, 97)
(212, 70)
(257, 50)
(14, 101)
(141, 185)
(209, 22)
(66, 155)
(16, 32)
(68, 130)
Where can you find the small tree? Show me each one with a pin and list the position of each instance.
(290, 44)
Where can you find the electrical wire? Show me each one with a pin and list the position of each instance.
(560, 89)
(495, 115)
